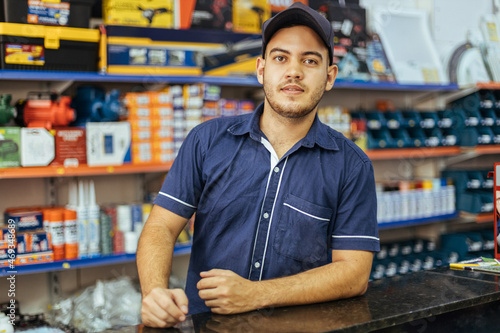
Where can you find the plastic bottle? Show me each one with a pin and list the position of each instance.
(82, 215)
(56, 228)
(70, 234)
(93, 222)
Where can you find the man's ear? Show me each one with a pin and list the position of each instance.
(331, 76)
(260, 69)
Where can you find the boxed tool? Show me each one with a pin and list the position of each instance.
(249, 15)
(38, 47)
(70, 147)
(108, 143)
(10, 147)
(143, 13)
(67, 13)
(156, 51)
(208, 14)
(37, 147)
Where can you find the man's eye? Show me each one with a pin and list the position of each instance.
(311, 61)
(279, 58)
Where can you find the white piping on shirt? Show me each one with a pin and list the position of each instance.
(271, 218)
(310, 215)
(368, 237)
(175, 199)
(258, 225)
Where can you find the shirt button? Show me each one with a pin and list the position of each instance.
(266, 215)
(257, 264)
(276, 169)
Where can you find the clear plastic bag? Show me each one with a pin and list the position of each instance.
(106, 305)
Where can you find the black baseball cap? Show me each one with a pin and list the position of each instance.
(299, 14)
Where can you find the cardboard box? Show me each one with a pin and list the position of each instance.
(37, 147)
(249, 15)
(71, 148)
(209, 14)
(10, 147)
(108, 143)
(144, 13)
(25, 219)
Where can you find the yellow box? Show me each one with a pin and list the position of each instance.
(248, 15)
(142, 13)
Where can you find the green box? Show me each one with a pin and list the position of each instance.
(10, 144)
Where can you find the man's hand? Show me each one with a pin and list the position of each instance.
(226, 292)
(164, 307)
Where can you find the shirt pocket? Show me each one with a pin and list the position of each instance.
(302, 230)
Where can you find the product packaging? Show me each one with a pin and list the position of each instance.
(10, 147)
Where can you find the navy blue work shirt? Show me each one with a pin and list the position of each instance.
(263, 217)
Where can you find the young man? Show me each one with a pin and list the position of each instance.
(285, 206)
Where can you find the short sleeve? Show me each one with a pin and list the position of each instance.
(355, 226)
(183, 184)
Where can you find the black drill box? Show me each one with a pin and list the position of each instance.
(37, 47)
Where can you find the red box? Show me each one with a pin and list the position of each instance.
(71, 149)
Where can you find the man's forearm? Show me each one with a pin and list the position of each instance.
(154, 258)
(340, 279)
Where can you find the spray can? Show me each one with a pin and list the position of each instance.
(82, 215)
(93, 220)
(70, 234)
(56, 227)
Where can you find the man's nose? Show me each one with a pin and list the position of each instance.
(294, 70)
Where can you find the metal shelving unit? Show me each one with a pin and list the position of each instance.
(180, 249)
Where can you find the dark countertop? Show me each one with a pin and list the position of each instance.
(419, 300)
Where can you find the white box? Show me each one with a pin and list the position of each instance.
(108, 143)
(37, 147)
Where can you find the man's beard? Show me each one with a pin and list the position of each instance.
(292, 110)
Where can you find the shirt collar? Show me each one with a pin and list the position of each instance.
(319, 133)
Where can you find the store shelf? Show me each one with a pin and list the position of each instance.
(482, 150)
(249, 81)
(414, 222)
(423, 152)
(478, 218)
(81, 263)
(82, 170)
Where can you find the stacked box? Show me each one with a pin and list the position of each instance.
(193, 106)
(151, 120)
(245, 107)
(178, 117)
(228, 107)
(211, 97)
(145, 13)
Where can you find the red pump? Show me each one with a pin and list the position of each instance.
(47, 112)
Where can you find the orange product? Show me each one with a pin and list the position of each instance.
(161, 97)
(70, 234)
(133, 99)
(163, 133)
(140, 123)
(56, 229)
(141, 135)
(139, 112)
(141, 152)
(163, 111)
